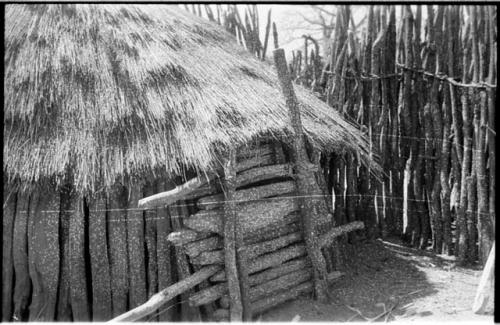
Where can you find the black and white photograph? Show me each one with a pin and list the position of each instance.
(249, 162)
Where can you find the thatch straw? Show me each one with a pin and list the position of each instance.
(114, 90)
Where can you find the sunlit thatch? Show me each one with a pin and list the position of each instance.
(111, 90)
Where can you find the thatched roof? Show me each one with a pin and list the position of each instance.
(113, 90)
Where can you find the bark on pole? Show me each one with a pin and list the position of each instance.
(306, 183)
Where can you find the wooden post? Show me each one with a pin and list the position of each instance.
(306, 182)
(164, 251)
(230, 241)
(77, 263)
(7, 258)
(99, 260)
(22, 287)
(117, 249)
(135, 245)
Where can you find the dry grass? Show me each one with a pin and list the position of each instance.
(114, 90)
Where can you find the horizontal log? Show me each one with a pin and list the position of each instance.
(267, 261)
(211, 257)
(333, 276)
(290, 223)
(178, 193)
(208, 295)
(252, 251)
(281, 283)
(185, 236)
(195, 248)
(259, 174)
(221, 315)
(167, 294)
(256, 161)
(253, 215)
(272, 245)
(275, 272)
(208, 189)
(272, 301)
(329, 237)
(219, 290)
(253, 193)
(276, 258)
(247, 153)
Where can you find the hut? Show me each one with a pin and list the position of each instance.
(105, 105)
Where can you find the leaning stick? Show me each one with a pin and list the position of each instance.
(169, 197)
(167, 294)
(328, 238)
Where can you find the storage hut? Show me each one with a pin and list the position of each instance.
(107, 104)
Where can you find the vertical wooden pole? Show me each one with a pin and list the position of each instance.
(135, 245)
(164, 253)
(46, 248)
(63, 299)
(36, 294)
(118, 257)
(9, 212)
(99, 260)
(188, 313)
(230, 253)
(150, 238)
(22, 287)
(77, 265)
(307, 187)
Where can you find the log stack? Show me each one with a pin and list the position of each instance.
(278, 268)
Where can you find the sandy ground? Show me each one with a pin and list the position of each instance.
(410, 284)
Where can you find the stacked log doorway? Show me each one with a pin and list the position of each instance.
(267, 209)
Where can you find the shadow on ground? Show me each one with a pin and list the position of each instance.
(379, 276)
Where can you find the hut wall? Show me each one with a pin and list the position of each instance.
(95, 257)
